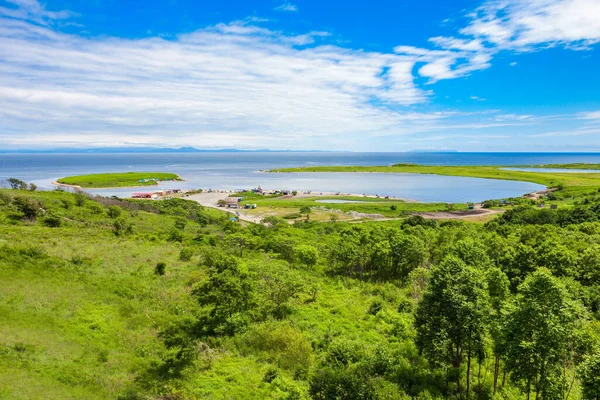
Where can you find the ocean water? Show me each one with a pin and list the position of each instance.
(243, 171)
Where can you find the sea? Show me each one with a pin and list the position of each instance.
(246, 170)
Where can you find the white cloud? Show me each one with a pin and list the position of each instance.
(228, 85)
(525, 24)
(512, 117)
(591, 115)
(567, 133)
(477, 98)
(32, 10)
(515, 25)
(287, 6)
(513, 64)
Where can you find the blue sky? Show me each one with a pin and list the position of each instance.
(492, 75)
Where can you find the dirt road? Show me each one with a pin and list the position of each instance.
(212, 199)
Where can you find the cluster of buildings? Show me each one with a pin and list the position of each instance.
(156, 194)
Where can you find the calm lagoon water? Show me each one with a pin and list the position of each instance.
(242, 170)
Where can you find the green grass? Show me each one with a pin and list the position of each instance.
(589, 166)
(390, 208)
(121, 179)
(543, 178)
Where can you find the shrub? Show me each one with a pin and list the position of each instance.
(280, 344)
(122, 227)
(114, 211)
(27, 206)
(175, 235)
(376, 306)
(393, 207)
(95, 208)
(306, 255)
(80, 199)
(186, 254)
(52, 221)
(160, 268)
(180, 223)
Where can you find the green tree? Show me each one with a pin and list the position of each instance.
(407, 254)
(228, 292)
(539, 331)
(498, 290)
(17, 184)
(451, 316)
(306, 255)
(589, 374)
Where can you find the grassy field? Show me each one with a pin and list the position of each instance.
(567, 166)
(389, 208)
(543, 178)
(121, 179)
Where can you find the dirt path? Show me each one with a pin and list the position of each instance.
(211, 200)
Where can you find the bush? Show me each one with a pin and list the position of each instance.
(27, 206)
(160, 268)
(114, 211)
(280, 344)
(180, 223)
(80, 199)
(306, 255)
(393, 207)
(328, 383)
(186, 254)
(52, 221)
(376, 306)
(122, 227)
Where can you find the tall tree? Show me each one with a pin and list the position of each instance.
(589, 374)
(450, 318)
(498, 289)
(538, 333)
(228, 292)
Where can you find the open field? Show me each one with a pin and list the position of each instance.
(120, 179)
(566, 166)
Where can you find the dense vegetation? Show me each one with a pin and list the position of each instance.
(107, 298)
(118, 179)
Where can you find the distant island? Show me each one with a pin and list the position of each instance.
(119, 179)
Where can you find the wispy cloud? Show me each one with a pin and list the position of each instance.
(477, 98)
(33, 11)
(510, 25)
(204, 88)
(234, 84)
(590, 115)
(567, 133)
(287, 6)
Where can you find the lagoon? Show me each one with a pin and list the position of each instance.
(241, 170)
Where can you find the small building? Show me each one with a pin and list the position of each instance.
(139, 195)
(231, 202)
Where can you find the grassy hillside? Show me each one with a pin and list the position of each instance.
(120, 179)
(103, 298)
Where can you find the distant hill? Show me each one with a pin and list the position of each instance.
(145, 150)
